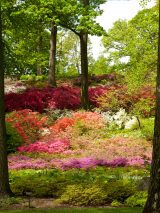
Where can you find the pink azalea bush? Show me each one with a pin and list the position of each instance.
(17, 162)
(55, 146)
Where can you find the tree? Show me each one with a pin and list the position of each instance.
(82, 22)
(4, 178)
(26, 40)
(136, 39)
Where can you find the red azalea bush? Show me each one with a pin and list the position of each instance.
(62, 123)
(55, 146)
(64, 98)
(89, 120)
(40, 99)
(27, 124)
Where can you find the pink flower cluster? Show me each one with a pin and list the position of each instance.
(55, 146)
(23, 162)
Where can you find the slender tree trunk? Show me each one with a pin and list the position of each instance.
(4, 179)
(39, 50)
(84, 65)
(153, 201)
(84, 71)
(52, 58)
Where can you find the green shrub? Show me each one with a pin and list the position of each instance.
(116, 203)
(9, 201)
(119, 190)
(78, 187)
(40, 184)
(138, 199)
(147, 128)
(33, 77)
(145, 107)
(97, 194)
(14, 140)
(83, 195)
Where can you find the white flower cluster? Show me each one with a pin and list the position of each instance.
(120, 120)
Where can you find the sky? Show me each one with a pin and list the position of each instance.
(114, 10)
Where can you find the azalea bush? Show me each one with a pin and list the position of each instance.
(140, 102)
(55, 146)
(27, 123)
(51, 98)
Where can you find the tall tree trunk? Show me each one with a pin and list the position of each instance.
(4, 179)
(84, 65)
(153, 201)
(84, 71)
(39, 50)
(52, 58)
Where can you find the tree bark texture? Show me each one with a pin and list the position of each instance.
(52, 58)
(153, 202)
(4, 178)
(84, 71)
(84, 65)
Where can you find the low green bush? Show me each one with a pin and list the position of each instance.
(119, 190)
(97, 194)
(147, 128)
(4, 202)
(138, 199)
(79, 187)
(83, 195)
(14, 140)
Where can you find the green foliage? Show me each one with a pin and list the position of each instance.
(144, 107)
(5, 202)
(119, 190)
(33, 77)
(116, 203)
(147, 128)
(136, 40)
(14, 140)
(107, 184)
(81, 195)
(138, 199)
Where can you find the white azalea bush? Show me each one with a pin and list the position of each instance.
(120, 120)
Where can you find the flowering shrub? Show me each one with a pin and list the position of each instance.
(119, 147)
(40, 99)
(24, 162)
(91, 119)
(116, 98)
(55, 146)
(27, 124)
(52, 98)
(62, 123)
(85, 163)
(120, 120)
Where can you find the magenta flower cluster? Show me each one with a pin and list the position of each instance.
(18, 162)
(55, 146)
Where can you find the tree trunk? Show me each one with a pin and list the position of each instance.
(4, 179)
(39, 50)
(153, 202)
(52, 58)
(84, 71)
(84, 66)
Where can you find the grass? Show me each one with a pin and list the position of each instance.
(77, 210)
